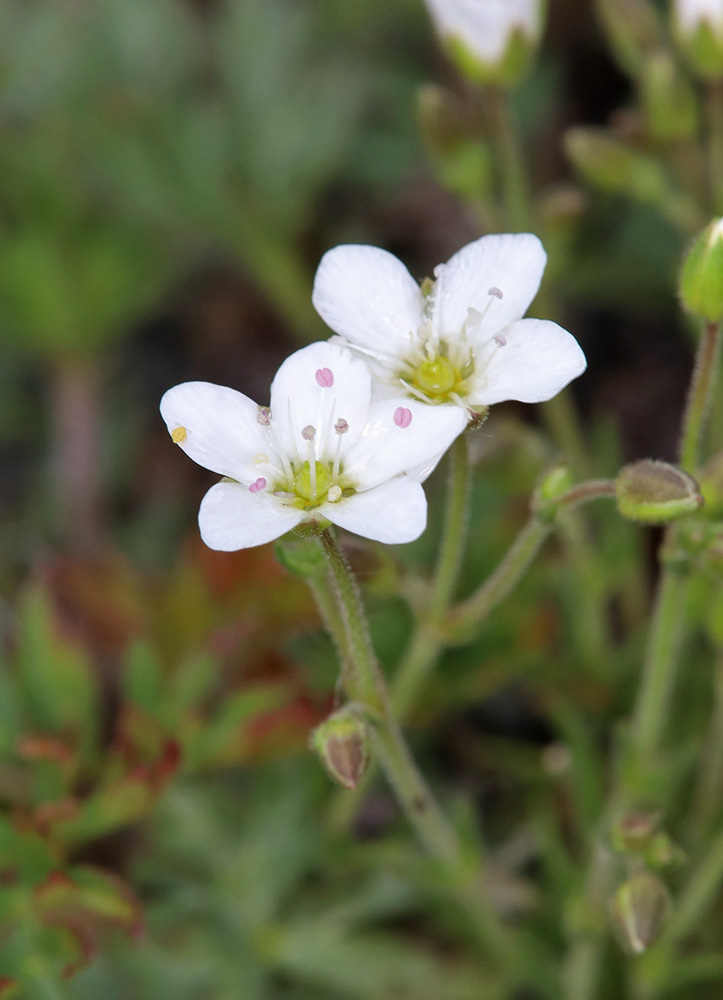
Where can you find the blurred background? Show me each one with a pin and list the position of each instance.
(170, 174)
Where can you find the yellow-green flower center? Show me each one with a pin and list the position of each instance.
(312, 493)
(436, 377)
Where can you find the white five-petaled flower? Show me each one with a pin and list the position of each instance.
(322, 450)
(458, 340)
(486, 27)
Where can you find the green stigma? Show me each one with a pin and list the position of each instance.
(436, 378)
(309, 497)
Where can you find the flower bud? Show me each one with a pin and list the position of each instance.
(670, 104)
(632, 30)
(552, 485)
(633, 833)
(463, 163)
(342, 742)
(490, 41)
(302, 557)
(639, 911)
(701, 278)
(608, 163)
(698, 30)
(655, 492)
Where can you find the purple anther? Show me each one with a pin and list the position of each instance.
(341, 426)
(497, 292)
(325, 377)
(258, 485)
(308, 433)
(402, 416)
(500, 339)
(264, 416)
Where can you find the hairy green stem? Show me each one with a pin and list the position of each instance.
(700, 397)
(714, 109)
(706, 801)
(658, 677)
(428, 642)
(365, 684)
(512, 175)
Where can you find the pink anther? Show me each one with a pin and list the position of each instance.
(258, 485)
(500, 339)
(402, 416)
(325, 377)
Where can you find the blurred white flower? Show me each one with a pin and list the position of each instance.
(322, 450)
(487, 29)
(458, 340)
(691, 14)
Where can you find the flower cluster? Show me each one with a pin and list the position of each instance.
(355, 423)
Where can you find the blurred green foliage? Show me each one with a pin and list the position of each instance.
(164, 830)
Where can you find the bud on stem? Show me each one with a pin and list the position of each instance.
(342, 742)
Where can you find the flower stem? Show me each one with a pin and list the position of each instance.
(700, 397)
(707, 794)
(427, 642)
(659, 668)
(714, 109)
(510, 160)
(364, 683)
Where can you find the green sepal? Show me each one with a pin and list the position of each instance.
(656, 492)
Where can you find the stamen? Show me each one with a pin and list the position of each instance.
(285, 495)
(341, 427)
(261, 458)
(500, 339)
(402, 416)
(325, 377)
(333, 494)
(497, 292)
(179, 434)
(474, 316)
(309, 433)
(264, 416)
(260, 484)
(414, 391)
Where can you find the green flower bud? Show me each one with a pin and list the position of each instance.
(302, 557)
(655, 492)
(342, 742)
(463, 163)
(639, 910)
(701, 278)
(632, 29)
(633, 833)
(699, 33)
(610, 164)
(552, 485)
(670, 103)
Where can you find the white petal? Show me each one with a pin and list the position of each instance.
(512, 264)
(394, 512)
(386, 448)
(222, 432)
(231, 518)
(538, 359)
(299, 400)
(369, 297)
(485, 26)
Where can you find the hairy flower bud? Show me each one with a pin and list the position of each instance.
(632, 29)
(639, 911)
(701, 278)
(698, 29)
(342, 742)
(655, 492)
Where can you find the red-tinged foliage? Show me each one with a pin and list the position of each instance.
(47, 815)
(43, 747)
(9, 987)
(98, 601)
(285, 729)
(86, 905)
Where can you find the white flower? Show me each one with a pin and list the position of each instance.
(322, 450)
(486, 27)
(691, 14)
(459, 339)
